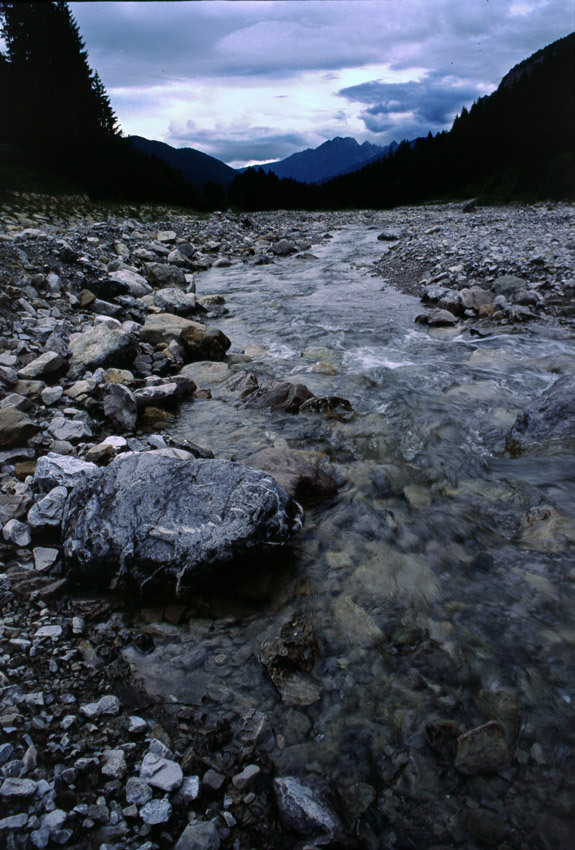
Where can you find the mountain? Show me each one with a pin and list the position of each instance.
(336, 156)
(516, 143)
(197, 167)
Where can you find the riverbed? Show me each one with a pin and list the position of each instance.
(438, 583)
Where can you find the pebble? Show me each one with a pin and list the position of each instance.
(156, 811)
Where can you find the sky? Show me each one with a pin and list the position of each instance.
(252, 81)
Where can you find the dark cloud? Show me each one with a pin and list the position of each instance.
(161, 61)
(431, 103)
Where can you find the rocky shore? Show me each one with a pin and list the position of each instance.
(104, 328)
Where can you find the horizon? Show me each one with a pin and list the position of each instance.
(254, 82)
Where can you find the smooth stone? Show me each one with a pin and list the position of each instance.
(52, 395)
(108, 704)
(175, 301)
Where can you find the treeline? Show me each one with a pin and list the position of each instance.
(58, 130)
(517, 143)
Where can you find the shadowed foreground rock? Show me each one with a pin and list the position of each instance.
(151, 521)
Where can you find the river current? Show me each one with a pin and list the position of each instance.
(440, 581)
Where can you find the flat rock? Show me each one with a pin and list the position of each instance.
(155, 521)
(71, 430)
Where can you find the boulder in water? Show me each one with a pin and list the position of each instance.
(155, 522)
(548, 423)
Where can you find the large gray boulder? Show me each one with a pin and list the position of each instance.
(548, 424)
(154, 522)
(101, 346)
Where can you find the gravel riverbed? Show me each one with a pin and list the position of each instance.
(89, 758)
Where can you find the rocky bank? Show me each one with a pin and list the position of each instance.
(104, 328)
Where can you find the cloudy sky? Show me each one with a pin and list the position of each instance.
(256, 80)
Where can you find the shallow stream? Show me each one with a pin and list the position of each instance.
(440, 582)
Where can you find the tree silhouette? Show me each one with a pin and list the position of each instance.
(58, 113)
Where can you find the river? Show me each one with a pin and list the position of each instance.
(439, 582)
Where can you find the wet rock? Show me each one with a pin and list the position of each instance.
(289, 658)
(101, 346)
(303, 811)
(278, 395)
(146, 517)
(283, 247)
(203, 343)
(482, 750)
(441, 318)
(199, 836)
(301, 479)
(121, 407)
(15, 428)
(332, 406)
(389, 235)
(548, 423)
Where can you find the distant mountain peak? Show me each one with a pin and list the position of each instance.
(335, 156)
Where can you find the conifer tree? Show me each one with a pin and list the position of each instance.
(56, 109)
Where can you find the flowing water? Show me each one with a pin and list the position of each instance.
(440, 580)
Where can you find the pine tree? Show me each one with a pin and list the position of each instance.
(57, 110)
